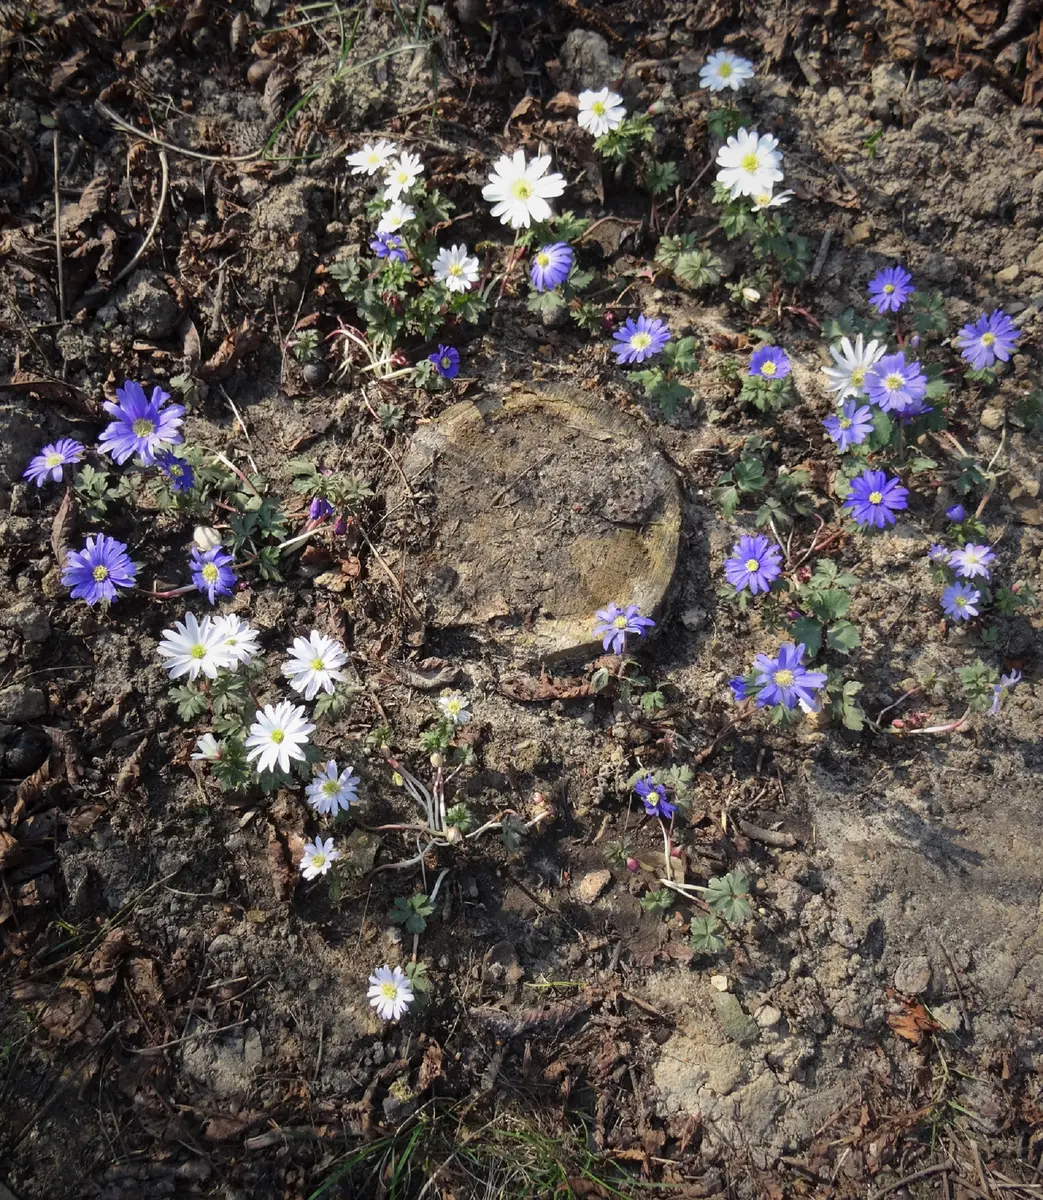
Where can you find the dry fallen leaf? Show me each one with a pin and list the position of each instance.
(913, 1023)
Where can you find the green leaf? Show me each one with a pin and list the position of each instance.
(728, 499)
(703, 936)
(729, 896)
(190, 701)
(829, 603)
(843, 637)
(809, 633)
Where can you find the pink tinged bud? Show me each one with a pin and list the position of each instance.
(633, 865)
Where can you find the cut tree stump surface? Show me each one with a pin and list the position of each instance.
(546, 507)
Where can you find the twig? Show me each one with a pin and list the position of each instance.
(163, 184)
(392, 576)
(781, 841)
(115, 119)
(58, 232)
(937, 1169)
(188, 1038)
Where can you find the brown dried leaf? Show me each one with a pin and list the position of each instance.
(192, 347)
(63, 741)
(130, 772)
(913, 1023)
(93, 200)
(12, 853)
(430, 1068)
(239, 342)
(31, 791)
(562, 103)
(283, 875)
(224, 1129)
(54, 390)
(105, 961)
(66, 70)
(68, 1015)
(144, 981)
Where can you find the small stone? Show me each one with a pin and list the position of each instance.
(737, 1025)
(694, 618)
(147, 305)
(948, 1017)
(28, 620)
(767, 1016)
(224, 943)
(20, 703)
(913, 975)
(253, 1050)
(719, 982)
(992, 418)
(501, 964)
(316, 373)
(592, 885)
(1008, 274)
(26, 752)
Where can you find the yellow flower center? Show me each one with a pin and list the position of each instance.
(598, 108)
(542, 260)
(143, 427)
(278, 736)
(175, 472)
(725, 70)
(763, 200)
(858, 376)
(198, 651)
(875, 497)
(317, 664)
(987, 339)
(455, 269)
(389, 991)
(961, 601)
(210, 573)
(768, 368)
(641, 341)
(752, 564)
(521, 189)
(100, 574)
(894, 382)
(331, 787)
(750, 162)
(445, 362)
(53, 460)
(783, 678)
(620, 622)
(888, 288)
(844, 422)
(318, 860)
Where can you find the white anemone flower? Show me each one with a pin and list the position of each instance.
(239, 637)
(319, 856)
(395, 216)
(519, 191)
(314, 664)
(750, 164)
(847, 378)
(769, 200)
(209, 749)
(371, 158)
(454, 706)
(206, 537)
(193, 648)
(457, 269)
(390, 992)
(600, 112)
(278, 734)
(401, 175)
(331, 790)
(723, 69)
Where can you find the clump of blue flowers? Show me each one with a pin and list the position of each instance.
(550, 266)
(755, 563)
(874, 499)
(212, 572)
(781, 683)
(640, 340)
(767, 385)
(99, 570)
(989, 338)
(141, 425)
(614, 623)
(890, 288)
(49, 464)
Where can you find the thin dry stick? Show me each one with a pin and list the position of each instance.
(163, 183)
(921, 1174)
(58, 232)
(127, 127)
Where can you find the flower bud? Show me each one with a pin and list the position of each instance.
(633, 866)
(437, 760)
(656, 107)
(397, 779)
(454, 835)
(206, 537)
(750, 295)
(340, 527)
